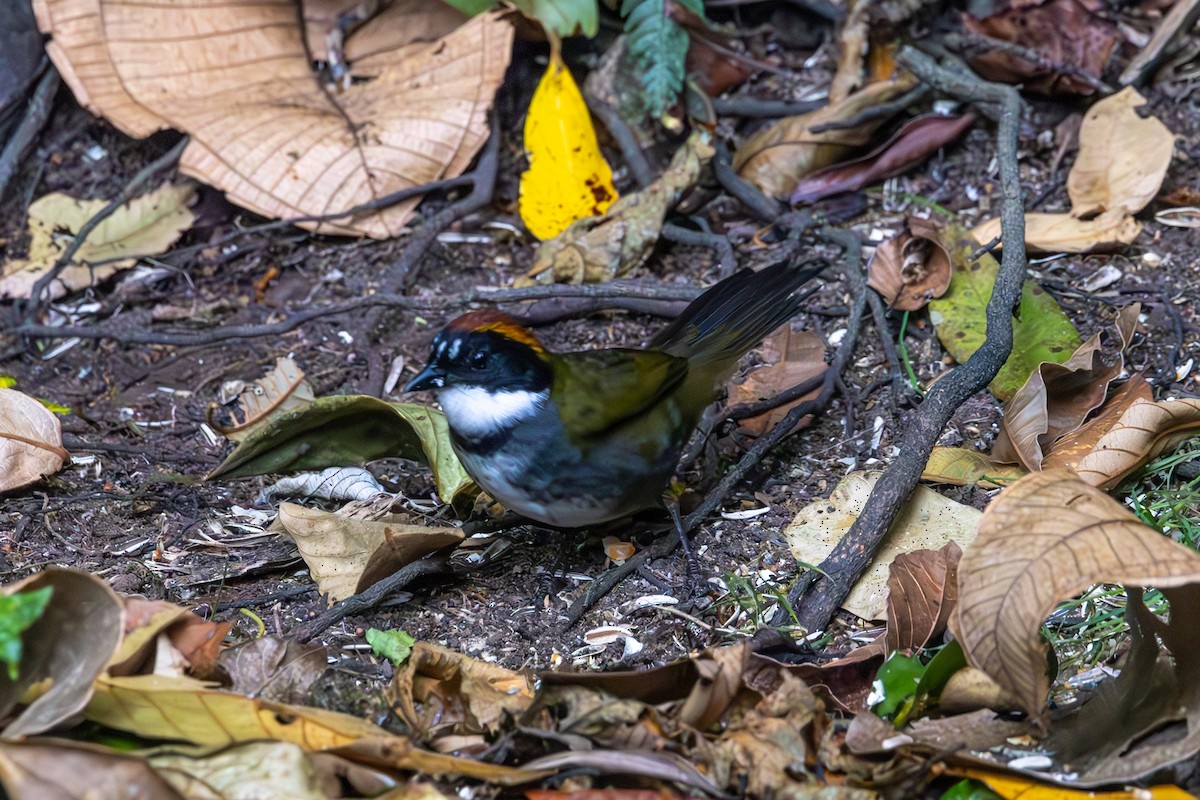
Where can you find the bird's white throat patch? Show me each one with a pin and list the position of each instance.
(474, 411)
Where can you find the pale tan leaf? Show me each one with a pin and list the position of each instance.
(927, 522)
(144, 226)
(57, 769)
(237, 78)
(346, 554)
(1063, 233)
(282, 389)
(1145, 430)
(1067, 451)
(64, 650)
(1122, 159)
(777, 156)
(30, 441)
(912, 267)
(961, 466)
(1042, 540)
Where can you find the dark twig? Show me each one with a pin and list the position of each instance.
(853, 554)
(977, 42)
(631, 152)
(371, 597)
(764, 109)
(621, 293)
(35, 119)
(387, 200)
(667, 543)
(725, 257)
(748, 410)
(879, 111)
(145, 175)
(755, 201)
(879, 314)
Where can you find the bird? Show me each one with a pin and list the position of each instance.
(575, 439)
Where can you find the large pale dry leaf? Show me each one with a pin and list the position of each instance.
(64, 650)
(347, 554)
(30, 441)
(1065, 233)
(237, 78)
(144, 226)
(607, 246)
(1042, 540)
(1067, 451)
(775, 158)
(439, 691)
(927, 522)
(922, 593)
(56, 769)
(961, 466)
(792, 357)
(912, 267)
(1122, 159)
(1146, 430)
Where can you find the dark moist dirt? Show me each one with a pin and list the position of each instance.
(134, 511)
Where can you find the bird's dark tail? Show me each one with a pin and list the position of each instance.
(733, 316)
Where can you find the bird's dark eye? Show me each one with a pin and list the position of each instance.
(478, 359)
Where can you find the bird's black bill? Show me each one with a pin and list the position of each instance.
(429, 378)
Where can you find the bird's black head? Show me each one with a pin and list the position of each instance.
(486, 349)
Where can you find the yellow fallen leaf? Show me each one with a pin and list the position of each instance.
(568, 178)
(607, 246)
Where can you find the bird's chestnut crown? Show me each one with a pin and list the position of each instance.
(488, 349)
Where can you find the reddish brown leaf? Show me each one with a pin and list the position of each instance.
(912, 267)
(916, 141)
(922, 591)
(1063, 32)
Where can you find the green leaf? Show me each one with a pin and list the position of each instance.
(659, 47)
(1041, 331)
(395, 646)
(895, 684)
(970, 789)
(941, 667)
(471, 7)
(17, 613)
(349, 430)
(563, 17)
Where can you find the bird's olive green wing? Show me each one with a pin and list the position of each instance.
(597, 389)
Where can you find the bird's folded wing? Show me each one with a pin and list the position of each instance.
(607, 387)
